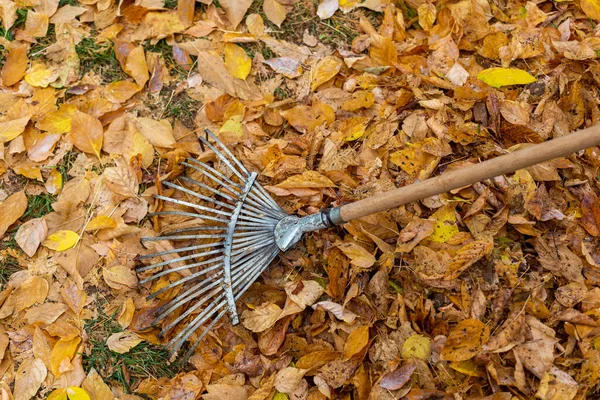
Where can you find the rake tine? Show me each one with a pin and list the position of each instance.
(231, 186)
(210, 189)
(184, 267)
(181, 237)
(198, 195)
(189, 353)
(196, 206)
(187, 214)
(216, 172)
(180, 250)
(223, 157)
(195, 228)
(178, 340)
(178, 259)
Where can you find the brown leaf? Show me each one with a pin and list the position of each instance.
(288, 379)
(120, 277)
(356, 341)
(136, 66)
(15, 65)
(122, 342)
(11, 210)
(31, 234)
(86, 133)
(28, 378)
(223, 391)
(121, 180)
(304, 293)
(398, 378)
(465, 340)
(158, 133)
(261, 318)
(358, 255)
(274, 11)
(235, 9)
(95, 387)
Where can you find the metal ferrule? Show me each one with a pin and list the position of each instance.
(290, 229)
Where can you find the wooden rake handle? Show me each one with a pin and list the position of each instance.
(508, 163)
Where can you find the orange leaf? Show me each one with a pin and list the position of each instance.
(86, 133)
(136, 66)
(356, 341)
(465, 340)
(118, 92)
(11, 210)
(15, 65)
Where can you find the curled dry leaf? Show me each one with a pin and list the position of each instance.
(304, 293)
(397, 379)
(122, 342)
(337, 310)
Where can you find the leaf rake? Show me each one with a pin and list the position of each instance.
(241, 229)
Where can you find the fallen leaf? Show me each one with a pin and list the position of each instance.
(11, 210)
(274, 11)
(31, 234)
(28, 378)
(62, 353)
(465, 340)
(591, 8)
(86, 133)
(11, 129)
(287, 66)
(288, 379)
(158, 133)
(417, 346)
(262, 318)
(238, 63)
(325, 70)
(61, 240)
(120, 277)
(356, 341)
(358, 255)
(235, 9)
(304, 293)
(15, 65)
(498, 77)
(337, 310)
(101, 222)
(69, 393)
(94, 385)
(122, 342)
(327, 8)
(397, 379)
(136, 66)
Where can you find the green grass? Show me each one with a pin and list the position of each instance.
(171, 4)
(128, 369)
(38, 206)
(8, 266)
(183, 108)
(66, 165)
(99, 58)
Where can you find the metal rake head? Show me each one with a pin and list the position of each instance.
(216, 261)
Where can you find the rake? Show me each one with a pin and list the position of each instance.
(235, 230)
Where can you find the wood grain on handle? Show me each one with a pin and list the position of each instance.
(526, 157)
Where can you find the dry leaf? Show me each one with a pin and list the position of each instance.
(158, 133)
(122, 342)
(11, 210)
(28, 378)
(325, 70)
(86, 133)
(288, 379)
(274, 11)
(356, 341)
(31, 234)
(304, 293)
(465, 340)
(15, 64)
(261, 319)
(61, 240)
(235, 9)
(237, 62)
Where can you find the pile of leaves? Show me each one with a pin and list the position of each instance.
(491, 291)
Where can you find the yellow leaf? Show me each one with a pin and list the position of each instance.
(466, 256)
(95, 386)
(274, 11)
(70, 393)
(136, 66)
(120, 277)
(54, 182)
(135, 143)
(40, 76)
(467, 367)
(11, 129)
(11, 210)
(356, 341)
(360, 99)
(591, 8)
(62, 353)
(353, 128)
(262, 318)
(427, 14)
(29, 170)
(308, 180)
(498, 77)
(233, 126)
(412, 159)
(445, 226)
(86, 133)
(118, 92)
(158, 133)
(465, 340)
(101, 222)
(237, 62)
(358, 255)
(61, 240)
(255, 25)
(325, 69)
(416, 346)
(58, 121)
(15, 64)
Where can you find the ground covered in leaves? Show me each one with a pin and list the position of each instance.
(491, 291)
